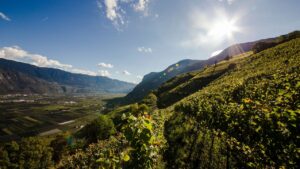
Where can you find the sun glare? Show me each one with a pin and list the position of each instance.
(223, 28)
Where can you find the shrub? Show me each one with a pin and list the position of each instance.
(100, 129)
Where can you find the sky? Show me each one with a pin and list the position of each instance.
(126, 39)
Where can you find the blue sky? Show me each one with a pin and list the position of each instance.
(126, 39)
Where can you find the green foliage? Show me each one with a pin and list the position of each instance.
(108, 153)
(100, 129)
(270, 107)
(150, 100)
(248, 118)
(29, 153)
(140, 134)
(189, 83)
(136, 147)
(134, 109)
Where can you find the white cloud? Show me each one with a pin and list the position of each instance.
(105, 65)
(139, 77)
(144, 50)
(3, 16)
(111, 9)
(215, 53)
(18, 54)
(125, 72)
(104, 73)
(141, 6)
(115, 10)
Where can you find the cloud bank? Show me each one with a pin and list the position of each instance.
(18, 54)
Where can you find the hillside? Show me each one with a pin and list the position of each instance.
(239, 113)
(186, 84)
(246, 118)
(242, 112)
(153, 80)
(16, 77)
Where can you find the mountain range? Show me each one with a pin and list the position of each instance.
(17, 77)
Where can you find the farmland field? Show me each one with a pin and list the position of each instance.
(30, 115)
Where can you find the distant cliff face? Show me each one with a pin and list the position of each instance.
(16, 77)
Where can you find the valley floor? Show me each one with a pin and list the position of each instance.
(31, 115)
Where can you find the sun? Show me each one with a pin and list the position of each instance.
(223, 28)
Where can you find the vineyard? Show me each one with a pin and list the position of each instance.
(249, 118)
(243, 112)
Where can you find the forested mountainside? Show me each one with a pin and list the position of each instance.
(16, 77)
(243, 112)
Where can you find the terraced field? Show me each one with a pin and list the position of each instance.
(29, 115)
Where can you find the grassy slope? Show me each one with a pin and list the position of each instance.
(200, 108)
(280, 58)
(189, 83)
(248, 62)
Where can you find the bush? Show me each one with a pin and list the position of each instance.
(99, 129)
(150, 100)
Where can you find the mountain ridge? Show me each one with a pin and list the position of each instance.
(59, 81)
